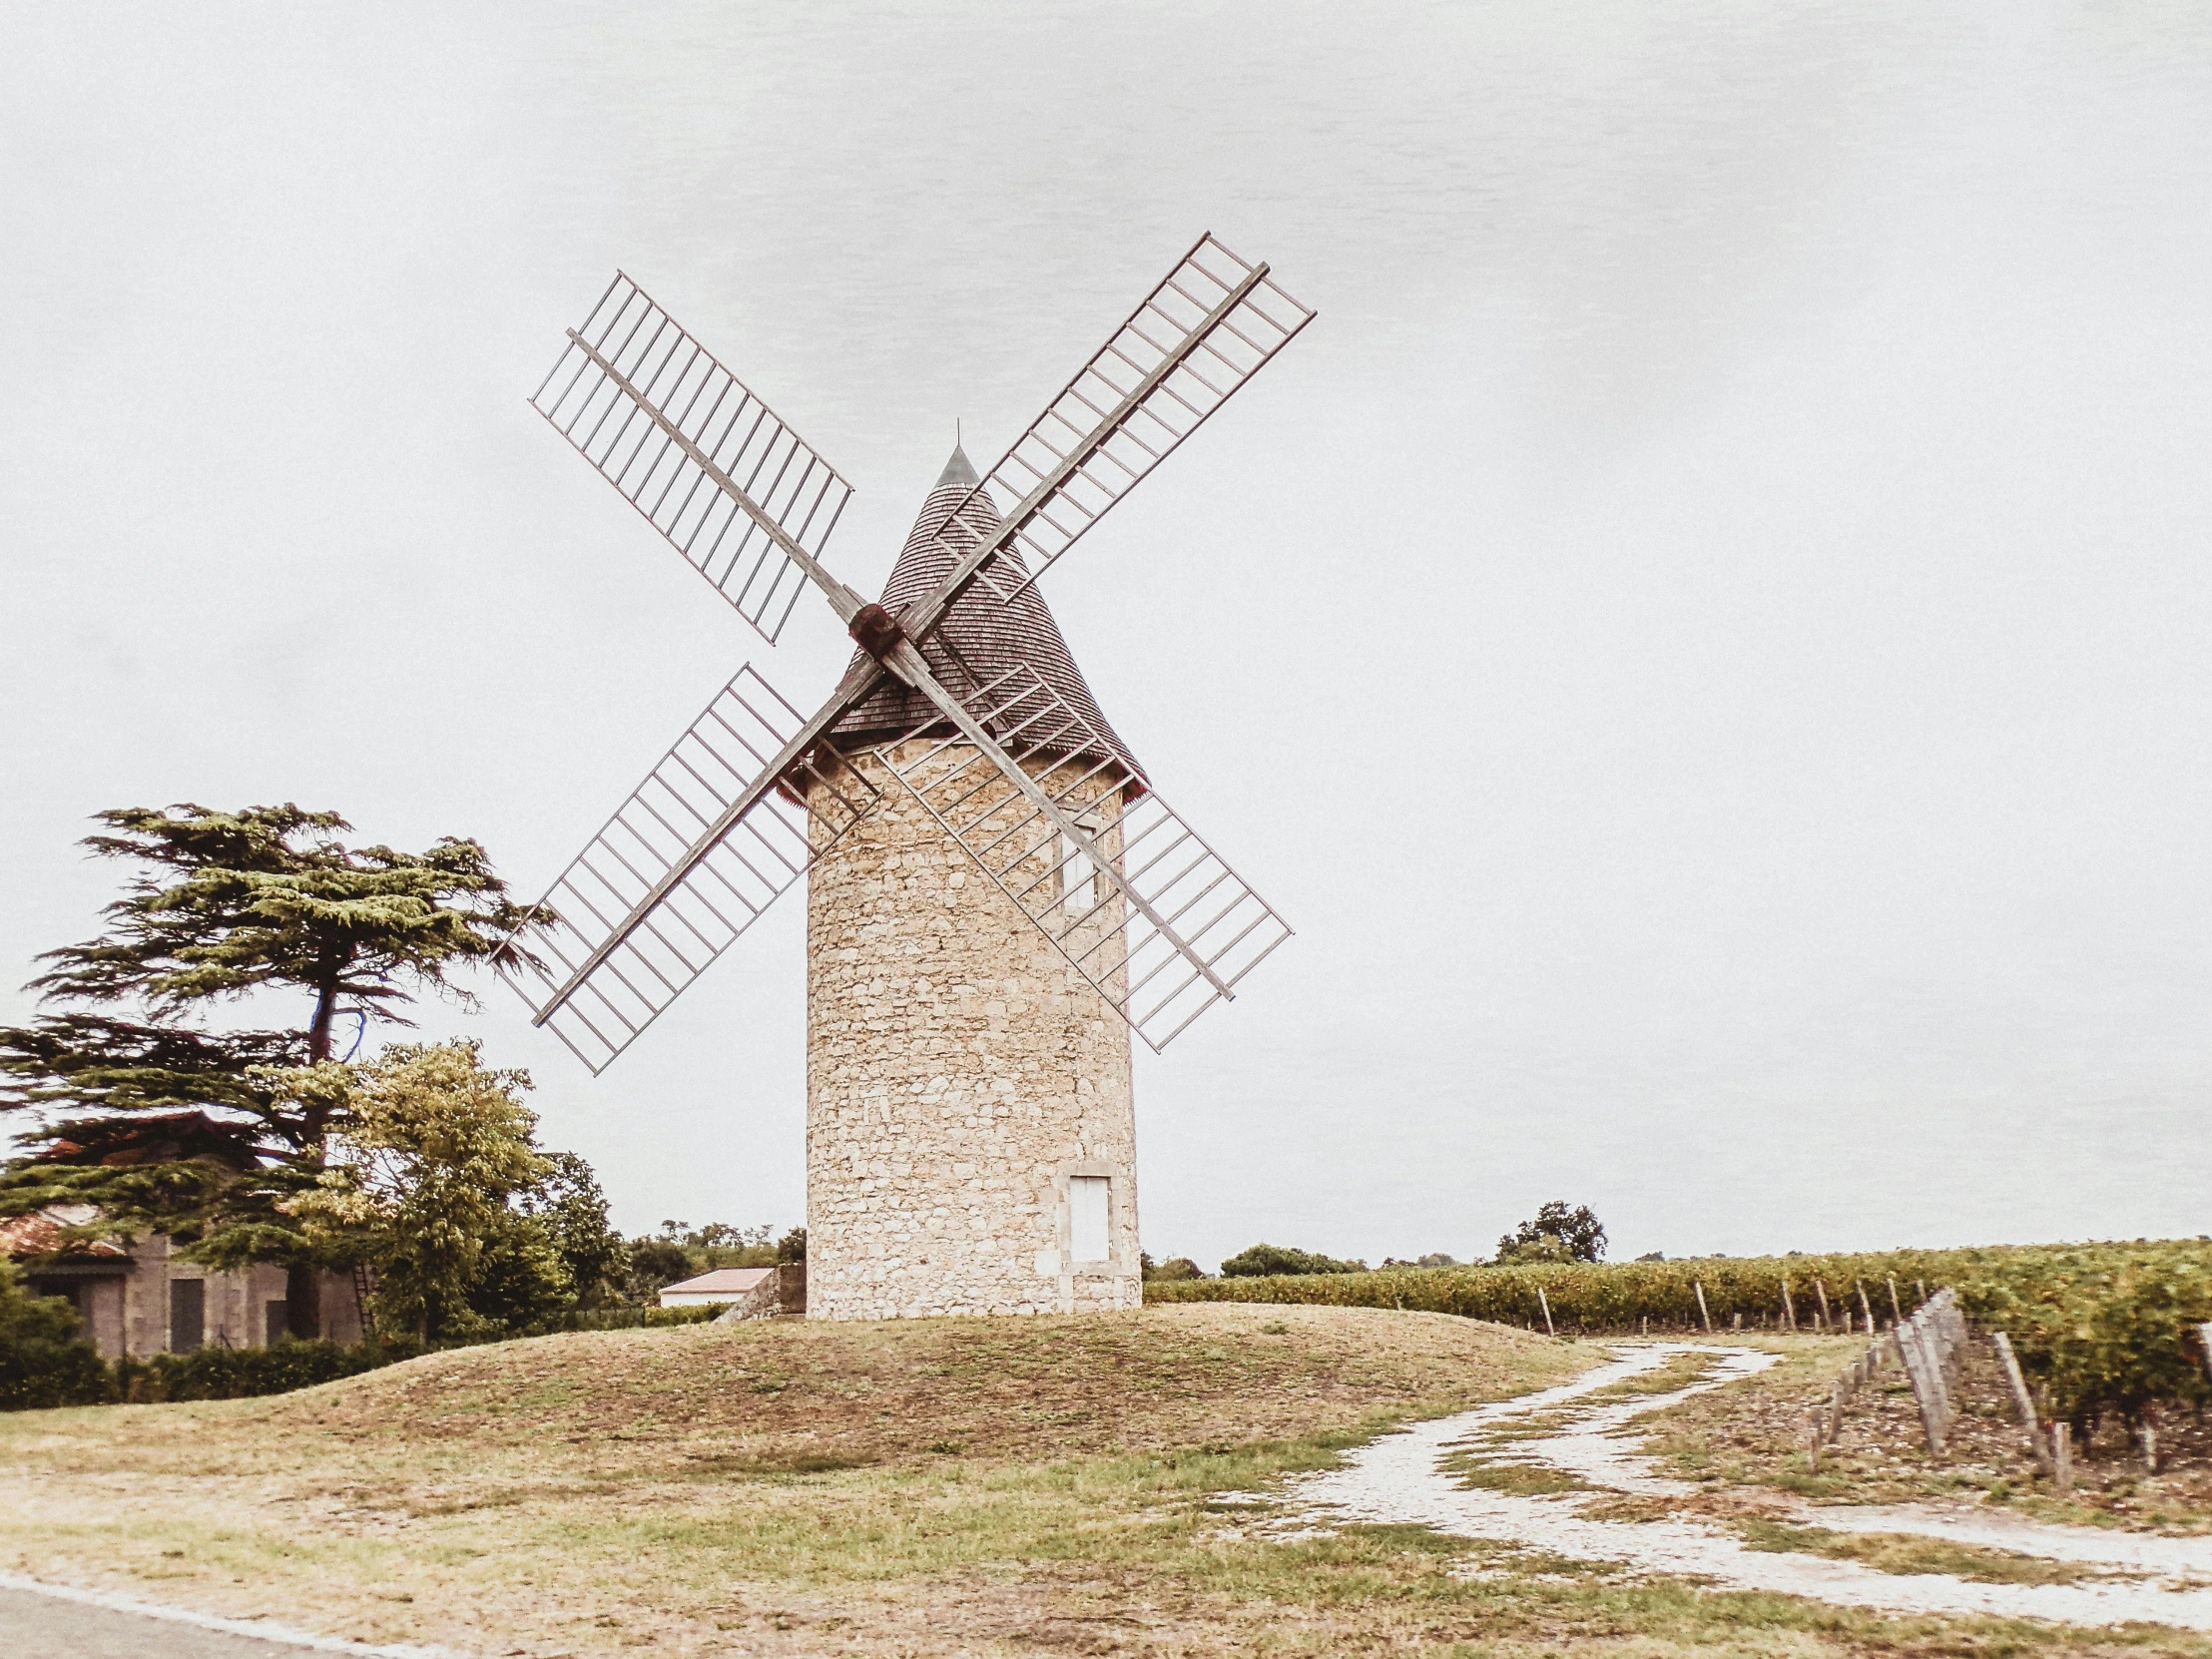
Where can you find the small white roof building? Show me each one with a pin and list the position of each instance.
(722, 1284)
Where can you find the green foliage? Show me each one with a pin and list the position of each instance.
(520, 1282)
(230, 903)
(1175, 1267)
(2106, 1328)
(655, 1263)
(43, 1357)
(243, 1372)
(163, 1128)
(172, 1129)
(639, 1319)
(1265, 1259)
(568, 1203)
(1556, 1234)
(435, 1147)
(680, 1251)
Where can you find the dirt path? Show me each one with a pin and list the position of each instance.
(1562, 1433)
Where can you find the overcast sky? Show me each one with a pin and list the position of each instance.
(1704, 638)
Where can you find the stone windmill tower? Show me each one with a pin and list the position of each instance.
(996, 894)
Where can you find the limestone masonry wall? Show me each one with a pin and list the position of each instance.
(959, 1074)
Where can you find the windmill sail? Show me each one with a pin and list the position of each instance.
(1144, 909)
(709, 465)
(1209, 326)
(604, 971)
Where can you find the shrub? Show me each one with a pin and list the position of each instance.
(1265, 1259)
(241, 1373)
(636, 1318)
(44, 1356)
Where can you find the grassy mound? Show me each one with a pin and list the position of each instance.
(795, 1394)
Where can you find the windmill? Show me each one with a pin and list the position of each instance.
(997, 896)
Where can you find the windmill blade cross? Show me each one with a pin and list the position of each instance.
(1213, 323)
(722, 825)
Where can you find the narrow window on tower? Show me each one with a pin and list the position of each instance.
(1090, 1209)
(1078, 882)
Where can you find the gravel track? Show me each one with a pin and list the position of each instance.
(1402, 1479)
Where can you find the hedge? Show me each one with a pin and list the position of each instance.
(239, 1372)
(35, 1376)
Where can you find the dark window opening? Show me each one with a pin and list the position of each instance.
(71, 1290)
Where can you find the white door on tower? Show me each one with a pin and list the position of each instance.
(1089, 1210)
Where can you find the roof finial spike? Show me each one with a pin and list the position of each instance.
(957, 470)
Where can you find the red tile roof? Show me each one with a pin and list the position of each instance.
(41, 1232)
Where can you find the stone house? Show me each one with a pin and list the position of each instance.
(140, 1297)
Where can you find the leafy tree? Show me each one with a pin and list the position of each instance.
(1557, 1234)
(521, 1282)
(1175, 1267)
(169, 1127)
(1263, 1259)
(569, 1205)
(790, 1249)
(421, 1187)
(44, 1356)
(655, 1263)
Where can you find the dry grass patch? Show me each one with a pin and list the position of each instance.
(1905, 1553)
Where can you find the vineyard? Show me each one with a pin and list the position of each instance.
(2100, 1329)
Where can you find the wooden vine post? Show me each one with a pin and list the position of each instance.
(1702, 1313)
(2025, 1402)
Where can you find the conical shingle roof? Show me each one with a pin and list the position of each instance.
(981, 637)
